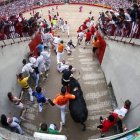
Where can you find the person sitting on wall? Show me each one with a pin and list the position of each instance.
(52, 129)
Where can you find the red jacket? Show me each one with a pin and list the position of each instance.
(88, 35)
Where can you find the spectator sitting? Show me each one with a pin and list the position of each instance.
(107, 123)
(12, 122)
(51, 130)
(122, 112)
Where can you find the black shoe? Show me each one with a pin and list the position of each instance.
(102, 135)
(101, 118)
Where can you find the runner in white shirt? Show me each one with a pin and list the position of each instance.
(80, 37)
(59, 23)
(47, 59)
(47, 38)
(56, 41)
(27, 67)
(67, 28)
(62, 66)
(62, 25)
(32, 60)
(41, 65)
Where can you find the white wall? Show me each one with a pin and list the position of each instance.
(11, 58)
(121, 65)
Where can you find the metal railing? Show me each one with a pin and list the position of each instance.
(4, 43)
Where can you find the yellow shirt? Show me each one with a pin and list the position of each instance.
(54, 22)
(24, 82)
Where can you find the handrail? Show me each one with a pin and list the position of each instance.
(121, 40)
(104, 32)
(15, 42)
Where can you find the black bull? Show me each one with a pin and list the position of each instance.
(77, 107)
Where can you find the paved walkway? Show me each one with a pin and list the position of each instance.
(92, 81)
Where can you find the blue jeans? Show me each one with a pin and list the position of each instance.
(35, 77)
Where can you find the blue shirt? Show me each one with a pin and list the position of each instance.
(40, 47)
(39, 96)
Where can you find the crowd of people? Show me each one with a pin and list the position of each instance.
(17, 26)
(123, 22)
(113, 3)
(18, 6)
(36, 68)
(13, 25)
(88, 30)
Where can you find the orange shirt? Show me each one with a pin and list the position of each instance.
(63, 99)
(60, 47)
(96, 44)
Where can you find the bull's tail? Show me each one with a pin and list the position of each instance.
(84, 126)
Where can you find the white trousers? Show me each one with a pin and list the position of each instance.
(42, 68)
(59, 57)
(40, 105)
(62, 28)
(48, 63)
(67, 31)
(62, 110)
(29, 90)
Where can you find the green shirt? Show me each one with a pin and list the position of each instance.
(50, 131)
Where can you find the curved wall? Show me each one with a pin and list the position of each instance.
(121, 65)
(11, 57)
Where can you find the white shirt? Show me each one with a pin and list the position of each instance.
(88, 24)
(61, 66)
(46, 55)
(121, 112)
(27, 68)
(40, 61)
(47, 37)
(66, 27)
(56, 40)
(81, 34)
